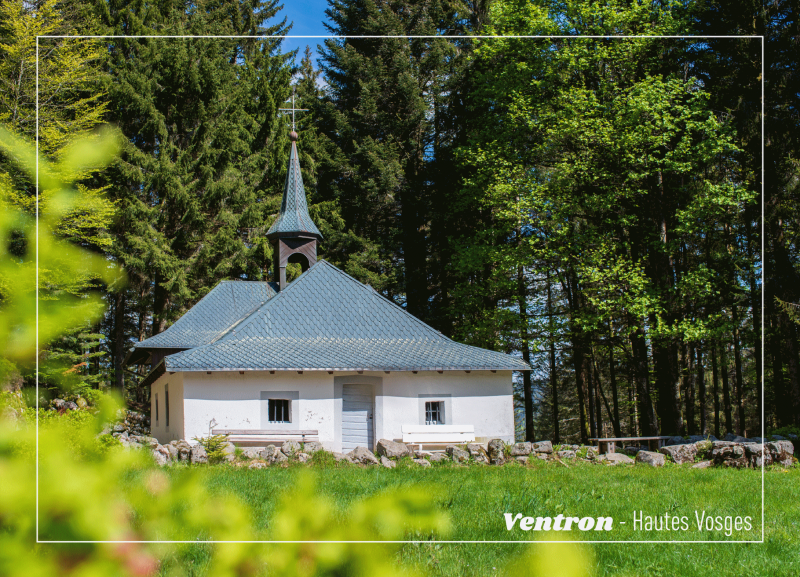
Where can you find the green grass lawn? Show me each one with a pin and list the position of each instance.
(476, 498)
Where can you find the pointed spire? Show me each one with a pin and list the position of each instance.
(294, 219)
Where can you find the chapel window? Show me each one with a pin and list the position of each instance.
(156, 408)
(166, 404)
(434, 413)
(279, 411)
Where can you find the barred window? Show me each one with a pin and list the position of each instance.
(279, 411)
(434, 413)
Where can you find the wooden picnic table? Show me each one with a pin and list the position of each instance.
(609, 444)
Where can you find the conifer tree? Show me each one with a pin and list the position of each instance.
(379, 113)
(356, 255)
(201, 171)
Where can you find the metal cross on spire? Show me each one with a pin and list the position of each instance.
(293, 109)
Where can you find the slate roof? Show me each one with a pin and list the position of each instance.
(228, 303)
(327, 320)
(294, 218)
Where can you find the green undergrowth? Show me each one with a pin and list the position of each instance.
(476, 497)
(229, 501)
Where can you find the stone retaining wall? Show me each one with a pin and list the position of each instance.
(132, 430)
(701, 454)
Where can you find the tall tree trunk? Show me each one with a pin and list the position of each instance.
(683, 389)
(632, 418)
(553, 379)
(160, 304)
(602, 396)
(119, 340)
(577, 354)
(689, 388)
(648, 426)
(590, 387)
(415, 266)
(142, 313)
(755, 305)
(522, 301)
(612, 373)
(665, 350)
(142, 332)
(597, 392)
(614, 425)
(577, 339)
(737, 361)
(701, 383)
(726, 391)
(715, 382)
(784, 286)
(667, 384)
(783, 405)
(792, 365)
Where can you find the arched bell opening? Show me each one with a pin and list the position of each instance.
(293, 250)
(300, 259)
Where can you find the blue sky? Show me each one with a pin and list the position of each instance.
(307, 16)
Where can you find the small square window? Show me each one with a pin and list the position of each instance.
(434, 413)
(279, 411)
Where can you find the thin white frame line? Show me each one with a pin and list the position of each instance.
(433, 542)
(36, 339)
(763, 266)
(763, 287)
(447, 36)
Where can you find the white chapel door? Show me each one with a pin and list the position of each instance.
(357, 411)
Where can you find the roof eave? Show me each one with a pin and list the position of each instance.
(343, 369)
(275, 234)
(154, 374)
(136, 356)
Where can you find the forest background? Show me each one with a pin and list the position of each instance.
(592, 205)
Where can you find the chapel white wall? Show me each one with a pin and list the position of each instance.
(234, 401)
(479, 398)
(158, 420)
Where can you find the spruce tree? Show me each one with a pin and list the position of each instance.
(201, 171)
(355, 254)
(379, 113)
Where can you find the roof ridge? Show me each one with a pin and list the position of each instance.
(247, 318)
(171, 329)
(205, 296)
(237, 323)
(307, 274)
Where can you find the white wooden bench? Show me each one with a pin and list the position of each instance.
(267, 436)
(437, 434)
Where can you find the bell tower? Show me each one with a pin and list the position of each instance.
(293, 235)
